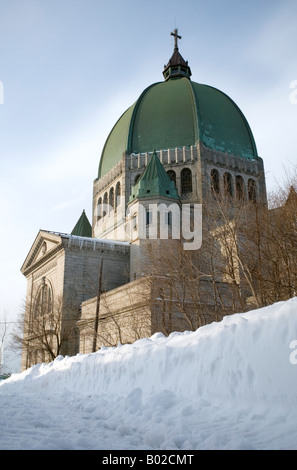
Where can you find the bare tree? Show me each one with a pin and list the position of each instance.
(121, 322)
(4, 330)
(44, 329)
(247, 260)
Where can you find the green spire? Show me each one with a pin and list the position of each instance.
(83, 227)
(154, 182)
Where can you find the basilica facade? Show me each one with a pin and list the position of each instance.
(179, 145)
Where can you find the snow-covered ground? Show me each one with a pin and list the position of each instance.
(229, 385)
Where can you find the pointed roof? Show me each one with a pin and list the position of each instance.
(154, 182)
(177, 65)
(83, 227)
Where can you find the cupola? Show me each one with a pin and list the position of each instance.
(177, 66)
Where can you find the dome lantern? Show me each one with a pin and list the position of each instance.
(177, 66)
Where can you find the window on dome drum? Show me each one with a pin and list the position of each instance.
(228, 185)
(105, 202)
(186, 181)
(111, 198)
(117, 195)
(99, 209)
(252, 190)
(172, 176)
(134, 221)
(239, 188)
(44, 299)
(149, 217)
(169, 218)
(215, 182)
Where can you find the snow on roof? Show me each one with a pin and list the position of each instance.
(89, 239)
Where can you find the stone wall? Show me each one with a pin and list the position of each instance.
(124, 316)
(71, 269)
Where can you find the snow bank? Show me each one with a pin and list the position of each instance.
(244, 360)
(244, 355)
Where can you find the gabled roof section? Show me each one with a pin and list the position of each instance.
(154, 182)
(45, 245)
(83, 227)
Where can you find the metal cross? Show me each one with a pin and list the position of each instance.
(176, 36)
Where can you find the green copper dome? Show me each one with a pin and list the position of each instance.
(175, 113)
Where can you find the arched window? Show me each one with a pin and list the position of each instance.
(186, 181)
(239, 188)
(117, 195)
(111, 198)
(99, 209)
(44, 299)
(252, 190)
(215, 182)
(228, 185)
(105, 203)
(172, 176)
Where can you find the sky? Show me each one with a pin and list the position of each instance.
(70, 68)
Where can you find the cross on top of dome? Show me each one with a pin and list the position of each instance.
(176, 37)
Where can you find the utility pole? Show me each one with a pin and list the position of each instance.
(97, 306)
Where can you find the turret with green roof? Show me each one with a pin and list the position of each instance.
(154, 182)
(83, 227)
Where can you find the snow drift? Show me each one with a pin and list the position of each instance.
(231, 384)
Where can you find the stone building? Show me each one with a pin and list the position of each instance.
(181, 143)
(62, 271)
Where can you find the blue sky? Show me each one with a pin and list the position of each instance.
(70, 68)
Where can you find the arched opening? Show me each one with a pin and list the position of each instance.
(117, 195)
(186, 181)
(239, 188)
(252, 190)
(172, 176)
(44, 299)
(99, 209)
(111, 199)
(105, 203)
(215, 182)
(228, 185)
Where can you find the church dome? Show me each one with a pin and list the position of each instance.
(175, 113)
